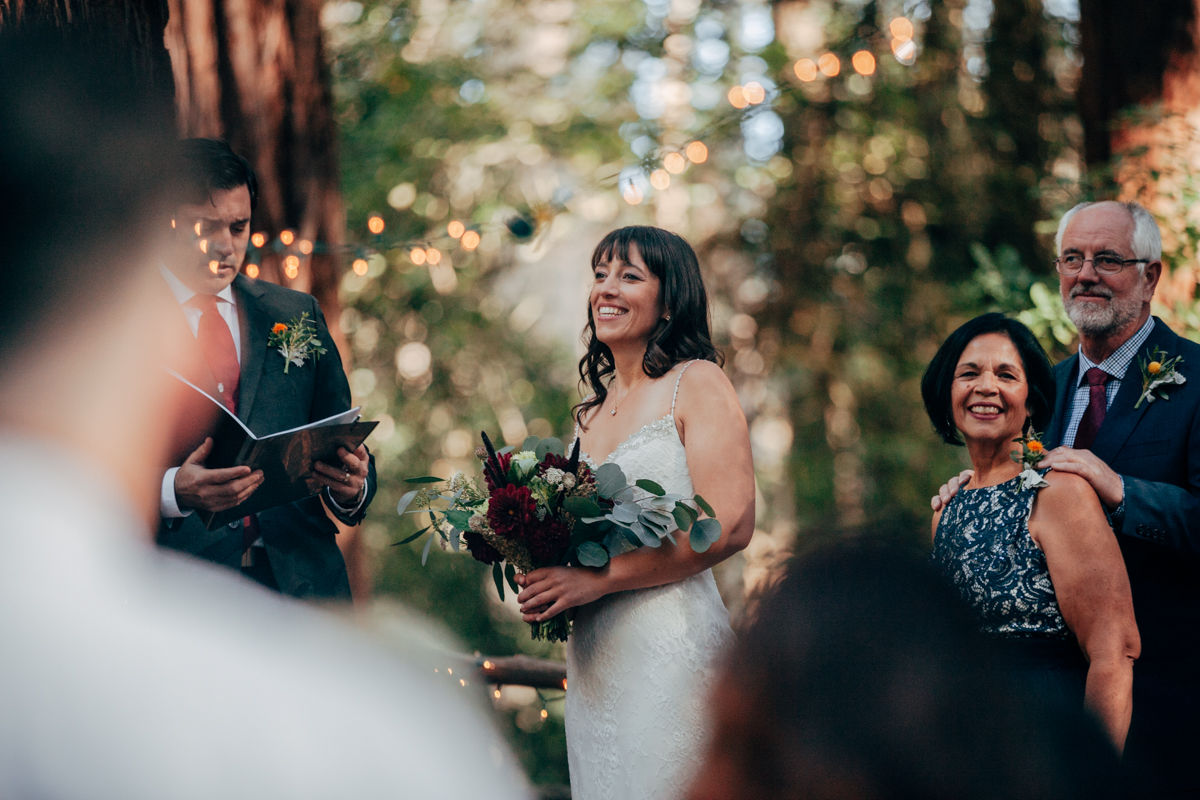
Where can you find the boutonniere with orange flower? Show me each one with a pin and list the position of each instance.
(1159, 373)
(1032, 453)
(296, 342)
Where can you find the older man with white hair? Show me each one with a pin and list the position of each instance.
(1141, 453)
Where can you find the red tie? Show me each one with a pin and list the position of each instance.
(216, 342)
(1097, 406)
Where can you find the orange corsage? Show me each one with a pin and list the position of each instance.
(278, 327)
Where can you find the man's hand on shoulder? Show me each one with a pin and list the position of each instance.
(949, 489)
(204, 489)
(1087, 465)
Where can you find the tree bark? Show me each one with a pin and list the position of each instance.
(253, 72)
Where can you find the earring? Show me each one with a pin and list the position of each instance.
(667, 317)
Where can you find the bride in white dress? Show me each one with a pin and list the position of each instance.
(650, 624)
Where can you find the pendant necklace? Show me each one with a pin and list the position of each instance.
(623, 399)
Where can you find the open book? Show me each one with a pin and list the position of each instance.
(285, 458)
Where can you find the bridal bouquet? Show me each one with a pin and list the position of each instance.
(540, 508)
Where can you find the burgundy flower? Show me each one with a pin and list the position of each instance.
(552, 461)
(481, 550)
(511, 510)
(505, 459)
(548, 540)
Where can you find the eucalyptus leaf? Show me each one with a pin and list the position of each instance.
(593, 520)
(618, 541)
(592, 555)
(651, 487)
(510, 575)
(530, 443)
(652, 525)
(547, 446)
(658, 517)
(582, 507)
(498, 579)
(459, 518)
(684, 515)
(412, 538)
(704, 534)
(406, 500)
(425, 552)
(609, 480)
(626, 512)
(672, 538)
(700, 501)
(647, 537)
(504, 450)
(425, 479)
(455, 540)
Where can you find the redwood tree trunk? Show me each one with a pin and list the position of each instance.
(253, 72)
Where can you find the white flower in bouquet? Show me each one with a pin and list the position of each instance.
(554, 476)
(525, 462)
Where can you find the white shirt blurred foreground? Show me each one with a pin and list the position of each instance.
(128, 672)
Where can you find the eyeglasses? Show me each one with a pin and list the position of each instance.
(1104, 264)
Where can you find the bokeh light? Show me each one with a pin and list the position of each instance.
(659, 179)
(305, 247)
(287, 237)
(737, 97)
(632, 194)
(375, 224)
(697, 152)
(258, 240)
(905, 50)
(864, 62)
(901, 28)
(674, 163)
(252, 270)
(213, 266)
(470, 240)
(197, 228)
(455, 229)
(204, 245)
(433, 255)
(806, 70)
(360, 266)
(754, 93)
(829, 64)
(417, 256)
(291, 266)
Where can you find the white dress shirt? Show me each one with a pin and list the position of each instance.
(135, 673)
(1115, 365)
(168, 504)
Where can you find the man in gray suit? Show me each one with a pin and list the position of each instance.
(290, 548)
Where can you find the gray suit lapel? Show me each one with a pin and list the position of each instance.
(256, 324)
(1122, 417)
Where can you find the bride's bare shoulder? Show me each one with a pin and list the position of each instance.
(705, 387)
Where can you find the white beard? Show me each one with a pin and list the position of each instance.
(1104, 320)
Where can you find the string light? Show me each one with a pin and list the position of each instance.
(864, 62)
(545, 713)
(496, 694)
(697, 152)
(287, 237)
(213, 266)
(375, 224)
(305, 246)
(360, 266)
(417, 256)
(737, 97)
(252, 270)
(291, 266)
(674, 163)
(905, 50)
(829, 64)
(258, 240)
(806, 70)
(197, 228)
(456, 229)
(488, 665)
(470, 240)
(433, 255)
(901, 28)
(754, 93)
(632, 194)
(449, 670)
(564, 684)
(659, 179)
(461, 682)
(172, 223)
(204, 245)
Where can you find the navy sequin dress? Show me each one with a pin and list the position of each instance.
(984, 546)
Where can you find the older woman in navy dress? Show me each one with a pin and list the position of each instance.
(1040, 566)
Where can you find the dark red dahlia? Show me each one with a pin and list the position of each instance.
(553, 461)
(511, 511)
(481, 550)
(548, 540)
(505, 459)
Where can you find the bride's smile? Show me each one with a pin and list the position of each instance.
(625, 301)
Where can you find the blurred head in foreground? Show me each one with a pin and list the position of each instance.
(861, 676)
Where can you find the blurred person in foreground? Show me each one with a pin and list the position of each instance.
(1029, 550)
(130, 672)
(1141, 454)
(861, 676)
(291, 548)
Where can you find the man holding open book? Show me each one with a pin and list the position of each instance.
(272, 363)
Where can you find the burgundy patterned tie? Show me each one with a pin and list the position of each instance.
(1097, 406)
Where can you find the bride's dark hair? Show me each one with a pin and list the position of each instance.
(683, 337)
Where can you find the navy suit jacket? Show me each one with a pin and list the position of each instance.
(1156, 450)
(300, 539)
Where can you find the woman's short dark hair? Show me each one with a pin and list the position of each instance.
(683, 337)
(210, 165)
(939, 375)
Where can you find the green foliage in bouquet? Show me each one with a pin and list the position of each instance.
(539, 508)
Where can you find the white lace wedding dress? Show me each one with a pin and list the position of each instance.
(640, 664)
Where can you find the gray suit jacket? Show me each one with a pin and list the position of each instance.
(300, 539)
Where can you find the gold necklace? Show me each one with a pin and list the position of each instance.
(626, 397)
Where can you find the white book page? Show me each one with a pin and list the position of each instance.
(344, 418)
(216, 402)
